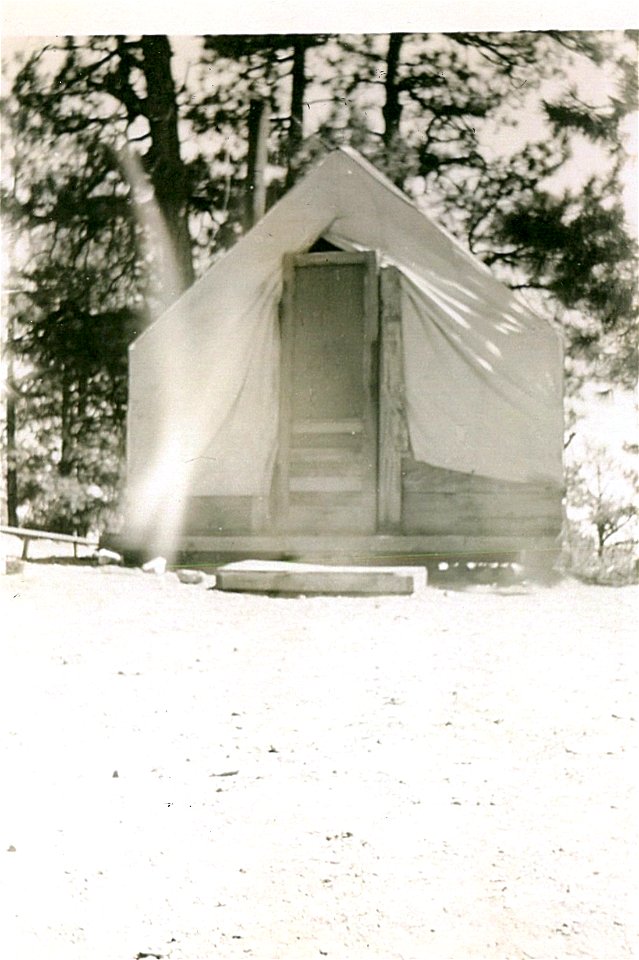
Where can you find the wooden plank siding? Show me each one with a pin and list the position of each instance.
(437, 501)
(402, 548)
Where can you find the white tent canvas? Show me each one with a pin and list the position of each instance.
(482, 372)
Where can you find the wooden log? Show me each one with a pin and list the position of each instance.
(393, 434)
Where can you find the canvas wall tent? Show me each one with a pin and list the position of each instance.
(347, 373)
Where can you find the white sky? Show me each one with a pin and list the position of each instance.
(46, 17)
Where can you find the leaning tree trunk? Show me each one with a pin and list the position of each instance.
(166, 167)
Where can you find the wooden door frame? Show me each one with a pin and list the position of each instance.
(369, 360)
(392, 431)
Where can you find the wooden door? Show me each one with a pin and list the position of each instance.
(327, 470)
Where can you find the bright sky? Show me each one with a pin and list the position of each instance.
(46, 17)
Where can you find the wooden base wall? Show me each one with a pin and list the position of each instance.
(445, 502)
(363, 550)
(443, 513)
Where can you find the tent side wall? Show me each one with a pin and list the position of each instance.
(418, 498)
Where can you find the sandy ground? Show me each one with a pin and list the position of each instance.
(445, 776)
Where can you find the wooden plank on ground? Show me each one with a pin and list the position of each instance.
(295, 578)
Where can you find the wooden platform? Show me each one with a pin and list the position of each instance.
(378, 549)
(279, 577)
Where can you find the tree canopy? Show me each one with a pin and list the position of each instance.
(481, 129)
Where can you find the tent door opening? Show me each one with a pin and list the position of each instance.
(327, 463)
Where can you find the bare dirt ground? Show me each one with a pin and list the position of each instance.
(443, 776)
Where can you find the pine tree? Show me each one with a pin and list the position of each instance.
(79, 271)
(427, 109)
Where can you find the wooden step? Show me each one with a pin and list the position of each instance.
(258, 576)
(321, 455)
(325, 484)
(328, 426)
(351, 467)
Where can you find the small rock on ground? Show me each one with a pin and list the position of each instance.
(189, 576)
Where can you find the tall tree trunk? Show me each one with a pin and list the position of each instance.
(298, 92)
(166, 166)
(66, 425)
(256, 162)
(11, 472)
(392, 110)
(601, 541)
(9, 451)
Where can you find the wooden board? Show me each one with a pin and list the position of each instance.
(417, 548)
(446, 502)
(296, 578)
(420, 515)
(423, 477)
